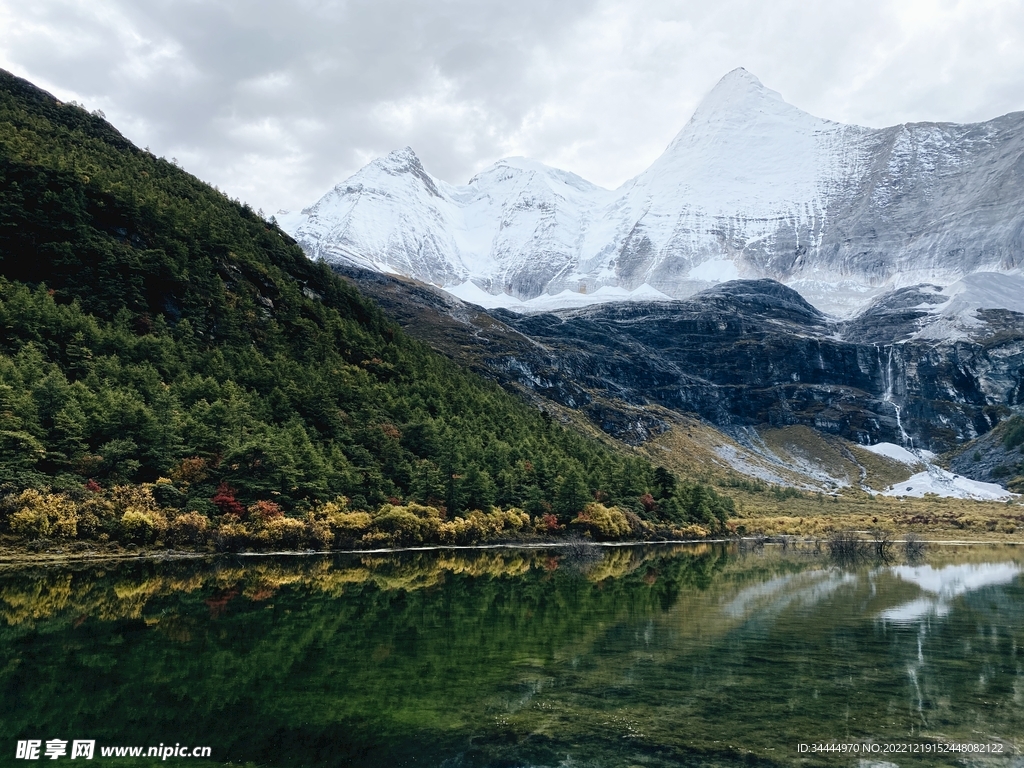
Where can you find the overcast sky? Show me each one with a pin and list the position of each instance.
(276, 102)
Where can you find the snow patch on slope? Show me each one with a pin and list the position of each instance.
(985, 290)
(957, 316)
(716, 271)
(938, 481)
(474, 294)
(934, 479)
(895, 452)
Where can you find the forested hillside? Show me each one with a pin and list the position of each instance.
(170, 361)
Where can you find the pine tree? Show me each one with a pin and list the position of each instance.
(572, 495)
(479, 490)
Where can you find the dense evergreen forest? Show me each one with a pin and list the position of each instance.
(173, 368)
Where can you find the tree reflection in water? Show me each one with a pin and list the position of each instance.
(649, 655)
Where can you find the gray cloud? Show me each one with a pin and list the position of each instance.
(276, 102)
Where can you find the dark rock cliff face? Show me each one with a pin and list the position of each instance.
(746, 353)
(997, 457)
(755, 353)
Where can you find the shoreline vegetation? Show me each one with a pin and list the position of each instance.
(131, 516)
(126, 522)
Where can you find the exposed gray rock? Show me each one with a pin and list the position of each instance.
(746, 353)
(989, 458)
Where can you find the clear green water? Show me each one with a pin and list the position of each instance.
(655, 656)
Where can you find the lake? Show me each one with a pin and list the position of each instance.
(717, 655)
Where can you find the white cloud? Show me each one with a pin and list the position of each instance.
(275, 102)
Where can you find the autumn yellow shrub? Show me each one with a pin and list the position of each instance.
(139, 518)
(484, 524)
(460, 530)
(232, 536)
(408, 524)
(134, 498)
(44, 516)
(318, 534)
(96, 514)
(350, 524)
(141, 527)
(328, 509)
(190, 528)
(332, 524)
(448, 532)
(375, 539)
(513, 519)
(602, 522)
(280, 533)
(691, 532)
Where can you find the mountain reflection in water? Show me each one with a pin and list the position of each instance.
(653, 656)
(943, 585)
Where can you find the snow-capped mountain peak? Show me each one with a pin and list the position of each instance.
(515, 167)
(750, 187)
(398, 163)
(738, 98)
(746, 154)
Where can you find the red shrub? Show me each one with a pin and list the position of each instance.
(226, 502)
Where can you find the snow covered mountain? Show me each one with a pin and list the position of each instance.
(752, 187)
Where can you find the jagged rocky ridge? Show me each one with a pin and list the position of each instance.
(745, 353)
(752, 187)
